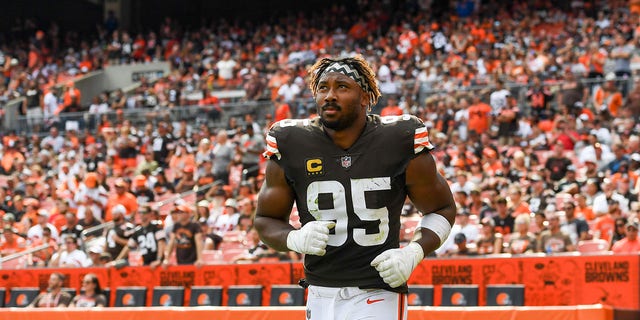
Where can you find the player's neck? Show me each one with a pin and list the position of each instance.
(347, 137)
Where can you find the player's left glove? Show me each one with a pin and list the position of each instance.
(395, 265)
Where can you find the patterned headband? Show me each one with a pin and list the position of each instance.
(350, 72)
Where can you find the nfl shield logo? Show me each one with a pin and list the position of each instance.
(345, 161)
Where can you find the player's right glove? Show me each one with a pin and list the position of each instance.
(312, 238)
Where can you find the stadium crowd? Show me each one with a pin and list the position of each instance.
(533, 108)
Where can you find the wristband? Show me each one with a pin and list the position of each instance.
(438, 224)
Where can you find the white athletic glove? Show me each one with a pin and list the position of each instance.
(312, 238)
(395, 265)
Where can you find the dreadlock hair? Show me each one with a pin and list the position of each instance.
(357, 62)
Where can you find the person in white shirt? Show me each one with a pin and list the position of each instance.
(462, 225)
(498, 98)
(50, 105)
(54, 139)
(35, 232)
(69, 256)
(226, 66)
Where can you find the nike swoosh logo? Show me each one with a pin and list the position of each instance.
(369, 301)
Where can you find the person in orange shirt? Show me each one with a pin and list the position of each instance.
(10, 242)
(630, 243)
(582, 209)
(594, 60)
(11, 156)
(608, 97)
(516, 205)
(283, 111)
(392, 108)
(479, 119)
(278, 79)
(70, 99)
(123, 197)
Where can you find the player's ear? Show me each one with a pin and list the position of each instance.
(365, 101)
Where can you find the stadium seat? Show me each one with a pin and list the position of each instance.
(244, 296)
(168, 296)
(595, 246)
(459, 295)
(210, 257)
(226, 245)
(287, 295)
(229, 254)
(205, 296)
(21, 297)
(107, 294)
(420, 295)
(505, 295)
(131, 297)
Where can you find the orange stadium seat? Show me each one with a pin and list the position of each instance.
(229, 254)
(596, 246)
(210, 257)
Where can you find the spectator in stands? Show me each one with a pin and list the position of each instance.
(282, 110)
(462, 247)
(576, 227)
(489, 241)
(91, 294)
(162, 144)
(186, 239)
(42, 257)
(539, 196)
(392, 108)
(71, 227)
(464, 226)
(223, 153)
(11, 242)
(162, 186)
(69, 255)
(620, 231)
(118, 236)
(629, 244)
(88, 221)
(256, 249)
(71, 99)
(54, 297)
(557, 164)
(122, 197)
(36, 231)
(148, 163)
(186, 181)
(554, 240)
(251, 146)
(522, 241)
(141, 190)
(148, 238)
(504, 220)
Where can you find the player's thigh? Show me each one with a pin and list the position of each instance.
(380, 305)
(321, 303)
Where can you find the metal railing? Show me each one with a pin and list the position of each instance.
(200, 114)
(156, 205)
(21, 254)
(140, 116)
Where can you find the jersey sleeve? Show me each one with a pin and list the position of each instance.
(272, 151)
(421, 140)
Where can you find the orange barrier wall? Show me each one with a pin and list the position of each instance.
(595, 312)
(556, 280)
